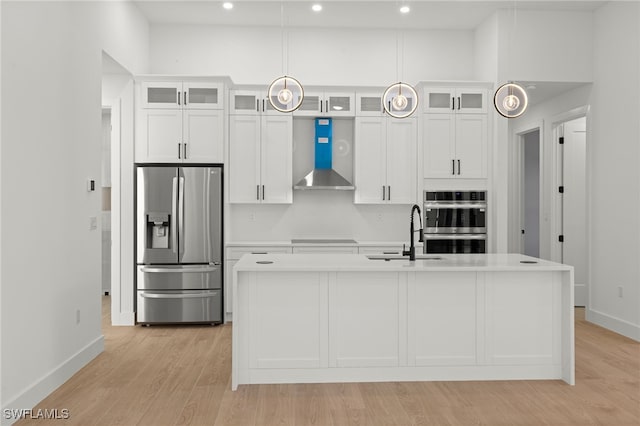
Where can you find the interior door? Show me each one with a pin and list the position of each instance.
(199, 213)
(574, 205)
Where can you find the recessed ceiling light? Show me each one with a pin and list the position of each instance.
(227, 5)
(316, 7)
(405, 9)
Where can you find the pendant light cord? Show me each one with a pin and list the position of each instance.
(284, 45)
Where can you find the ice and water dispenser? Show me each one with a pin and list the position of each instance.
(158, 230)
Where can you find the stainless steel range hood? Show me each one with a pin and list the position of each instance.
(323, 176)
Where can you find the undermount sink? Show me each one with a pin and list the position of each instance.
(397, 257)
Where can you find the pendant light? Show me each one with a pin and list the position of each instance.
(285, 93)
(511, 99)
(399, 100)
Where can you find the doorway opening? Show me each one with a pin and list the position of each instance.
(530, 190)
(117, 131)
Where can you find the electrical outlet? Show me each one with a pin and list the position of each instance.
(93, 223)
(379, 217)
(620, 291)
(252, 216)
(77, 316)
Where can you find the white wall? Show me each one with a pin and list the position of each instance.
(316, 56)
(613, 152)
(545, 45)
(51, 137)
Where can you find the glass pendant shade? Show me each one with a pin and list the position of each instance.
(510, 100)
(286, 94)
(400, 100)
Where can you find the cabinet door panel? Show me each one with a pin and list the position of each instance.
(438, 140)
(277, 157)
(525, 332)
(158, 94)
(244, 158)
(471, 142)
(364, 320)
(401, 160)
(287, 332)
(471, 101)
(203, 134)
(159, 135)
(438, 298)
(370, 160)
(439, 100)
(203, 95)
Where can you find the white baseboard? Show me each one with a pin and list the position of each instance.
(614, 324)
(39, 390)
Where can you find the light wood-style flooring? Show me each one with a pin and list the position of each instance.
(182, 376)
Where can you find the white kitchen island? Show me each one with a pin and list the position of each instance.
(313, 318)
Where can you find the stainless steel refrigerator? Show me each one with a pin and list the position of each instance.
(178, 244)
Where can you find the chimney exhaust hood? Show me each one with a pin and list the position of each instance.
(323, 176)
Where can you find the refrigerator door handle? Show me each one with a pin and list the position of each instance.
(174, 221)
(179, 296)
(181, 216)
(148, 269)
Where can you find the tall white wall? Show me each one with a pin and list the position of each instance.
(317, 56)
(614, 173)
(51, 137)
(544, 45)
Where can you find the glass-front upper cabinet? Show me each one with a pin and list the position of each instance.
(454, 100)
(330, 104)
(369, 104)
(179, 94)
(250, 102)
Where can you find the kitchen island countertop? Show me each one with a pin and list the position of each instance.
(360, 262)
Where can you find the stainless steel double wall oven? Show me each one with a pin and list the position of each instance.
(455, 221)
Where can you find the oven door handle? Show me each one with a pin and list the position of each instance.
(455, 206)
(455, 236)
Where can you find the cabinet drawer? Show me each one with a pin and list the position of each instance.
(238, 252)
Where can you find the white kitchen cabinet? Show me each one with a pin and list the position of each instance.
(455, 146)
(369, 104)
(436, 298)
(447, 100)
(180, 122)
(329, 104)
(233, 254)
(174, 136)
(527, 332)
(364, 322)
(385, 160)
(182, 94)
(250, 102)
(260, 159)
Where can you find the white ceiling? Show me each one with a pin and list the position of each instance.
(425, 14)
